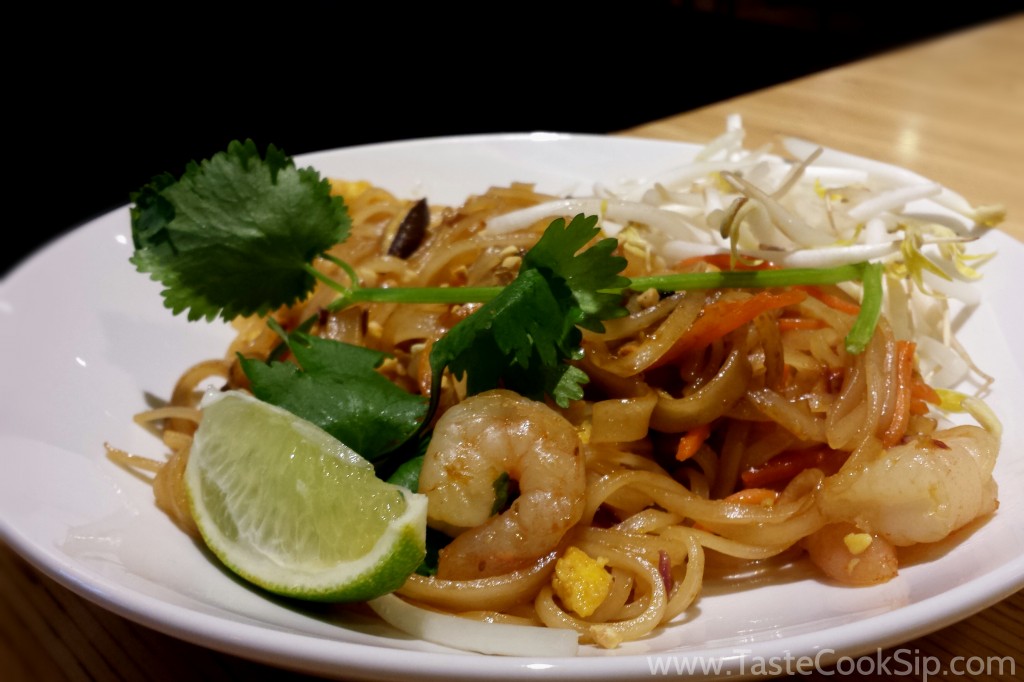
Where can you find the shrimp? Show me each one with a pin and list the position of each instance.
(850, 556)
(919, 491)
(477, 442)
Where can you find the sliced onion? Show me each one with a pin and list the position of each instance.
(502, 639)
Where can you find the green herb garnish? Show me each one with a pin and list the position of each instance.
(237, 235)
(524, 338)
(337, 387)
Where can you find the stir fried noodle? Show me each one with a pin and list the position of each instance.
(717, 426)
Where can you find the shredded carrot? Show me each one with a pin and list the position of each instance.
(787, 375)
(791, 323)
(918, 407)
(721, 317)
(780, 469)
(904, 393)
(921, 394)
(723, 261)
(832, 301)
(691, 441)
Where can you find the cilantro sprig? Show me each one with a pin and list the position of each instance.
(236, 233)
(526, 335)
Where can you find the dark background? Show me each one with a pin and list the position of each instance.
(100, 101)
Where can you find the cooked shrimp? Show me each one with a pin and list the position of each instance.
(474, 444)
(850, 556)
(920, 491)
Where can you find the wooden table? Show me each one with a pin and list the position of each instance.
(951, 109)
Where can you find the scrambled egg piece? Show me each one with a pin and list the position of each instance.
(581, 581)
(349, 189)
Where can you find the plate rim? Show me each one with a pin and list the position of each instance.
(175, 620)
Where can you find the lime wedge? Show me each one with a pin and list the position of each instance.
(290, 508)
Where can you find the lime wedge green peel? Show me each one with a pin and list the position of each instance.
(290, 508)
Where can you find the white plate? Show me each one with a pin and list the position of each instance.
(85, 338)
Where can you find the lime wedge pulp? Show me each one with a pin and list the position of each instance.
(290, 508)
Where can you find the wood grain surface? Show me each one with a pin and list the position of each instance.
(951, 109)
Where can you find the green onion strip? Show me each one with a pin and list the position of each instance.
(870, 274)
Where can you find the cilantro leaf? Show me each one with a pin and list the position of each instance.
(338, 388)
(236, 233)
(518, 340)
(524, 338)
(588, 274)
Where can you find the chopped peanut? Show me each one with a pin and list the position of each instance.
(857, 542)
